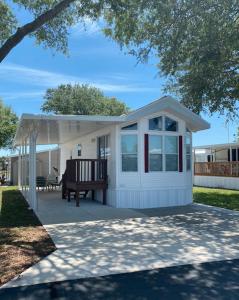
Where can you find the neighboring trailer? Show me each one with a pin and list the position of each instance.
(217, 166)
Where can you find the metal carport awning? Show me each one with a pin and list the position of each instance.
(36, 130)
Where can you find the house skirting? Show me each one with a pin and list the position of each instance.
(217, 182)
(135, 198)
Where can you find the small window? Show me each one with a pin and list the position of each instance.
(188, 151)
(171, 153)
(170, 125)
(155, 153)
(130, 127)
(79, 148)
(129, 153)
(156, 124)
(103, 147)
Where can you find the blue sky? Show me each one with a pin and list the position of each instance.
(29, 70)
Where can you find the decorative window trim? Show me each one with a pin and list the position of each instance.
(163, 130)
(188, 155)
(165, 154)
(123, 134)
(180, 153)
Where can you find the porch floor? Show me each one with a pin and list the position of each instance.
(54, 210)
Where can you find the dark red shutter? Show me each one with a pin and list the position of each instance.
(146, 153)
(180, 153)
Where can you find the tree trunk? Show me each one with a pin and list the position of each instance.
(28, 28)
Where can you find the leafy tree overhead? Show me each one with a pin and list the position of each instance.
(50, 23)
(196, 42)
(81, 100)
(8, 125)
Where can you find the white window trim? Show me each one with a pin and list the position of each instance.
(188, 133)
(171, 154)
(163, 124)
(150, 171)
(129, 132)
(160, 133)
(109, 144)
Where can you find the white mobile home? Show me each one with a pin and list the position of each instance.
(148, 153)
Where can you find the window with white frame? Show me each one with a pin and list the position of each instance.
(170, 124)
(171, 153)
(129, 152)
(156, 123)
(188, 151)
(163, 123)
(103, 146)
(155, 153)
(79, 150)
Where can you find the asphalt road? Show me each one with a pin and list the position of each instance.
(214, 280)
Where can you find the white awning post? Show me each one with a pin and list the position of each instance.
(25, 169)
(19, 168)
(32, 170)
(49, 162)
(231, 160)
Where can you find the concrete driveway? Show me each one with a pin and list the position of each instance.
(132, 240)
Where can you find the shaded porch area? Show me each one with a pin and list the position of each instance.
(52, 209)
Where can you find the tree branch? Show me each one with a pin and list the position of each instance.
(28, 28)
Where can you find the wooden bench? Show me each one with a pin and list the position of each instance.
(83, 175)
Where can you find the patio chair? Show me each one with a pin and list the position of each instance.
(52, 181)
(40, 182)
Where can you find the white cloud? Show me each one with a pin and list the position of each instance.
(8, 96)
(86, 27)
(45, 79)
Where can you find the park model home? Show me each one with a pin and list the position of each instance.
(139, 160)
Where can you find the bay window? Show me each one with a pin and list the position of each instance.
(171, 153)
(188, 151)
(155, 153)
(129, 152)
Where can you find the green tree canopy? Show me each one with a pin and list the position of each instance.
(81, 100)
(51, 20)
(8, 125)
(196, 43)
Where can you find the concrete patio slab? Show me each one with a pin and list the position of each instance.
(126, 240)
(54, 210)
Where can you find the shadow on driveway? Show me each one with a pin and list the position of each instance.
(214, 280)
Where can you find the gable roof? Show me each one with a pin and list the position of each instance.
(56, 129)
(168, 104)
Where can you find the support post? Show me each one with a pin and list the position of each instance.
(24, 168)
(49, 162)
(230, 160)
(19, 181)
(32, 170)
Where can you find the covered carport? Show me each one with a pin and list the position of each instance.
(40, 129)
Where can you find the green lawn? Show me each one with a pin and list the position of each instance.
(217, 197)
(23, 239)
